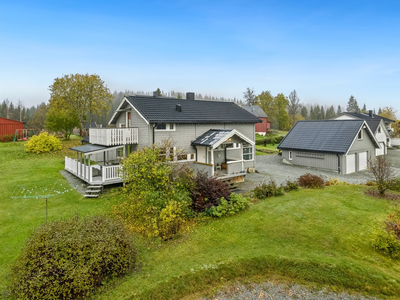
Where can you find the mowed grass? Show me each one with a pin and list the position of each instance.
(20, 216)
(265, 150)
(320, 237)
(317, 237)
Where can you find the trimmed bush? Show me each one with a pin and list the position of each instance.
(68, 259)
(310, 181)
(207, 192)
(386, 242)
(291, 186)
(43, 143)
(235, 204)
(268, 190)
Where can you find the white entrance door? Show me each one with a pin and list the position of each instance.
(381, 150)
(350, 163)
(362, 161)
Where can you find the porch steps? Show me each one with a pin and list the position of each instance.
(93, 190)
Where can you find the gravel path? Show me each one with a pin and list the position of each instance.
(282, 292)
(74, 181)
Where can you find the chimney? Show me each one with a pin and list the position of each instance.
(371, 114)
(178, 107)
(190, 96)
(155, 94)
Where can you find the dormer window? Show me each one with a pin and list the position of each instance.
(379, 129)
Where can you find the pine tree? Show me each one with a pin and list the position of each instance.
(249, 96)
(379, 111)
(304, 112)
(352, 105)
(339, 110)
(364, 109)
(322, 113)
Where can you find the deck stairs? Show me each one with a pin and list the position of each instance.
(93, 190)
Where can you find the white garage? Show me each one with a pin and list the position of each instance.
(381, 150)
(350, 163)
(362, 161)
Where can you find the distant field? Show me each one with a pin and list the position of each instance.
(313, 237)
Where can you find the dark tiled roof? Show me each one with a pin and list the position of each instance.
(255, 110)
(163, 110)
(211, 137)
(365, 116)
(373, 124)
(329, 136)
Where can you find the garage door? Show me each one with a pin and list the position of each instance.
(350, 163)
(362, 161)
(381, 150)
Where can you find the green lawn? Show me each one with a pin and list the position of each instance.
(20, 216)
(265, 150)
(310, 236)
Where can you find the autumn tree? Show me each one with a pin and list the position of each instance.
(293, 107)
(63, 121)
(352, 105)
(86, 95)
(389, 112)
(249, 96)
(267, 103)
(282, 116)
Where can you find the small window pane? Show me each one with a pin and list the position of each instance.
(171, 126)
(161, 127)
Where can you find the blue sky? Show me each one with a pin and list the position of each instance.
(326, 50)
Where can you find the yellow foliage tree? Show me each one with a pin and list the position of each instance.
(87, 95)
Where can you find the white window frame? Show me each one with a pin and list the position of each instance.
(189, 157)
(358, 135)
(167, 127)
(251, 152)
(290, 155)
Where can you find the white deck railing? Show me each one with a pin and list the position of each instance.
(113, 136)
(85, 172)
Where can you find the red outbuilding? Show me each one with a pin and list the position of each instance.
(265, 126)
(9, 127)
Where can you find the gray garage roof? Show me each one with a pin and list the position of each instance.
(255, 110)
(183, 111)
(366, 116)
(328, 136)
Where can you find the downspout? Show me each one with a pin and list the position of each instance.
(154, 138)
(195, 147)
(338, 163)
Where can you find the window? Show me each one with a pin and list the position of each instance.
(248, 152)
(360, 136)
(166, 127)
(161, 127)
(186, 157)
(379, 129)
(290, 155)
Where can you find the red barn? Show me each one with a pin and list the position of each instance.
(261, 128)
(9, 127)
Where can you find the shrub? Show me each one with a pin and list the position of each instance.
(207, 192)
(268, 190)
(386, 242)
(382, 171)
(43, 143)
(395, 185)
(291, 186)
(155, 214)
(170, 220)
(68, 259)
(235, 204)
(335, 181)
(311, 181)
(7, 138)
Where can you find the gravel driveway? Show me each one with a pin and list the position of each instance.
(282, 292)
(271, 167)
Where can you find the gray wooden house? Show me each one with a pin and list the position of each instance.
(380, 126)
(214, 136)
(343, 146)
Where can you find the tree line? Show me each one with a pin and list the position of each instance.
(284, 111)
